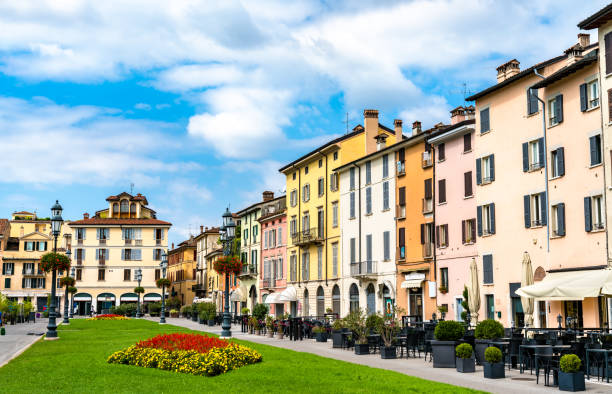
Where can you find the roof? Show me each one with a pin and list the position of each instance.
(597, 19)
(23, 213)
(589, 59)
(449, 132)
(118, 222)
(138, 197)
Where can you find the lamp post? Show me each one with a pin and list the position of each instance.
(56, 226)
(164, 266)
(138, 278)
(66, 320)
(228, 233)
(72, 275)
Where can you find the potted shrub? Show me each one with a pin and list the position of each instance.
(174, 313)
(443, 289)
(493, 366)
(194, 312)
(245, 311)
(355, 322)
(320, 333)
(465, 358)
(571, 378)
(443, 309)
(254, 322)
(270, 326)
(373, 321)
(280, 332)
(154, 309)
(447, 333)
(485, 332)
(208, 312)
(260, 311)
(388, 327)
(336, 333)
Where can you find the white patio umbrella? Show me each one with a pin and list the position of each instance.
(527, 280)
(474, 292)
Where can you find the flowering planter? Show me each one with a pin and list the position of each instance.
(443, 354)
(336, 339)
(280, 335)
(388, 352)
(361, 349)
(258, 332)
(571, 381)
(321, 336)
(465, 364)
(494, 371)
(270, 334)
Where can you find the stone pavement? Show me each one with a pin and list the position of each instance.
(17, 338)
(514, 381)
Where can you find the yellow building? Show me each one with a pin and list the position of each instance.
(182, 270)
(314, 247)
(28, 239)
(109, 247)
(206, 244)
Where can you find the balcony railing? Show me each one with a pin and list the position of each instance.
(426, 159)
(79, 261)
(198, 287)
(304, 237)
(102, 242)
(79, 241)
(128, 241)
(138, 242)
(598, 226)
(363, 268)
(101, 261)
(427, 205)
(248, 270)
(268, 282)
(400, 211)
(400, 168)
(158, 242)
(428, 249)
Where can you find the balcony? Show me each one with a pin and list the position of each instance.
(400, 168)
(363, 269)
(158, 242)
(267, 283)
(400, 211)
(306, 237)
(79, 261)
(428, 249)
(138, 242)
(426, 159)
(101, 261)
(33, 273)
(198, 288)
(102, 241)
(248, 271)
(79, 241)
(128, 241)
(427, 205)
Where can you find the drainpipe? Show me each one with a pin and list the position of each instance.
(359, 194)
(545, 162)
(433, 204)
(325, 214)
(299, 188)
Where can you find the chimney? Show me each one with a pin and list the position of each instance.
(416, 127)
(85, 215)
(470, 112)
(381, 141)
(397, 125)
(507, 70)
(584, 40)
(371, 129)
(268, 195)
(172, 245)
(458, 115)
(575, 52)
(201, 229)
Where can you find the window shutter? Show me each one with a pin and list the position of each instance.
(608, 49)
(561, 161)
(442, 191)
(422, 234)
(583, 97)
(438, 236)
(441, 152)
(98, 233)
(561, 219)
(138, 255)
(594, 153)
(122, 254)
(473, 221)
(588, 225)
(3, 269)
(525, 157)
(428, 191)
(467, 182)
(401, 154)
(369, 200)
(478, 172)
(385, 195)
(541, 152)
(467, 142)
(532, 101)
(479, 219)
(386, 245)
(609, 103)
(487, 269)
(446, 235)
(527, 210)
(463, 231)
(484, 120)
(44, 283)
(352, 205)
(492, 167)
(559, 108)
(492, 213)
(543, 208)
(402, 236)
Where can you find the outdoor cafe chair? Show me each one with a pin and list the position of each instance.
(543, 359)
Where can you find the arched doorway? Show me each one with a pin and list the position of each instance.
(353, 298)
(82, 304)
(127, 298)
(306, 304)
(253, 297)
(371, 299)
(336, 300)
(105, 301)
(320, 302)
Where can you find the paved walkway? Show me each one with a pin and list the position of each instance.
(18, 338)
(514, 382)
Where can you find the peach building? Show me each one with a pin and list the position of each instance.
(455, 209)
(527, 201)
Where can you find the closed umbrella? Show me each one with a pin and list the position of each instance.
(527, 280)
(474, 292)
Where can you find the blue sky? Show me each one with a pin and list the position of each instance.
(199, 103)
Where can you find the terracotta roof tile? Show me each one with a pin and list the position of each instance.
(111, 221)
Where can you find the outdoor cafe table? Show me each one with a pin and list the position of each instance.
(605, 352)
(555, 348)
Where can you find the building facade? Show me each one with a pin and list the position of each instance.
(182, 270)
(207, 242)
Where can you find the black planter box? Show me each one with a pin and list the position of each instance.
(480, 345)
(211, 323)
(465, 364)
(494, 371)
(194, 318)
(443, 354)
(388, 352)
(571, 381)
(361, 349)
(336, 339)
(321, 336)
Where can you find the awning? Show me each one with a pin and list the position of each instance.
(82, 297)
(106, 297)
(236, 295)
(129, 297)
(287, 295)
(570, 285)
(413, 280)
(197, 300)
(152, 297)
(273, 298)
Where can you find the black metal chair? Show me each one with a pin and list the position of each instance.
(543, 359)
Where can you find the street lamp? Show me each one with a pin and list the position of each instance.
(138, 278)
(66, 321)
(72, 275)
(228, 232)
(56, 226)
(163, 265)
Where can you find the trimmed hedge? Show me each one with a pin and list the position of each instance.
(570, 363)
(489, 329)
(464, 350)
(493, 355)
(449, 330)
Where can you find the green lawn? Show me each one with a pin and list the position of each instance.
(77, 363)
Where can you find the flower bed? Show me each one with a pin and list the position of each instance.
(108, 317)
(187, 353)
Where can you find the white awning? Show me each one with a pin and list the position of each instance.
(197, 300)
(273, 298)
(129, 299)
(151, 297)
(413, 280)
(236, 295)
(287, 295)
(570, 285)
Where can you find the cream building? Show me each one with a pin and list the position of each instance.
(206, 244)
(110, 246)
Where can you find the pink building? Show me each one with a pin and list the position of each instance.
(273, 269)
(455, 209)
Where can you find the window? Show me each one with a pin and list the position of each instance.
(485, 215)
(336, 155)
(595, 148)
(386, 245)
(444, 278)
(401, 196)
(101, 274)
(7, 283)
(79, 273)
(468, 231)
(428, 199)
(427, 239)
(487, 269)
(535, 210)
(306, 221)
(467, 184)
(368, 206)
(484, 121)
(352, 206)
(533, 155)
(557, 162)
(306, 170)
(558, 220)
(293, 198)
(532, 101)
(401, 242)
(157, 274)
(353, 251)
(555, 110)
(293, 225)
(385, 186)
(102, 255)
(306, 265)
(352, 178)
(28, 269)
(293, 267)
(441, 191)
(485, 170)
(320, 262)
(254, 260)
(245, 234)
(442, 236)
(333, 182)
(102, 234)
(115, 208)
(385, 166)
(335, 214)
(589, 95)
(321, 186)
(80, 234)
(255, 233)
(8, 268)
(279, 267)
(41, 246)
(467, 142)
(29, 246)
(335, 259)
(401, 165)
(368, 171)
(320, 163)
(593, 213)
(306, 192)
(127, 274)
(293, 176)
(490, 305)
(441, 152)
(368, 245)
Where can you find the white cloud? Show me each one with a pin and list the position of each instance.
(143, 106)
(194, 76)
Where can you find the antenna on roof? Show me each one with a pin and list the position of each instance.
(132, 188)
(466, 92)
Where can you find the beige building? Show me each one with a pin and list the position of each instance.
(207, 245)
(182, 271)
(110, 246)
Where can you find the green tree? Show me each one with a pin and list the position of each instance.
(465, 304)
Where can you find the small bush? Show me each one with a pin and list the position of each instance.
(449, 330)
(208, 311)
(493, 355)
(338, 324)
(260, 311)
(154, 308)
(245, 311)
(373, 321)
(464, 350)
(318, 329)
(489, 329)
(570, 363)
(186, 310)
